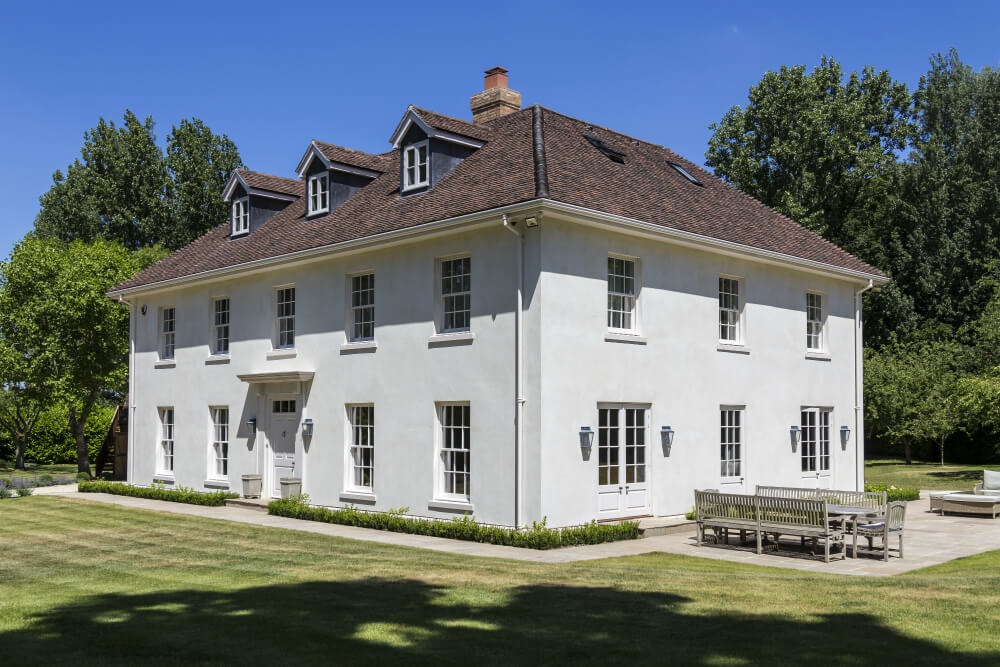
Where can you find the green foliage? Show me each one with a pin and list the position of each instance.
(538, 536)
(51, 441)
(124, 189)
(692, 515)
(24, 491)
(894, 493)
(179, 495)
(5, 491)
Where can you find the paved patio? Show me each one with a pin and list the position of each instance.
(930, 539)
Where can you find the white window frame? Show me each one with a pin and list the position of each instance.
(732, 432)
(220, 326)
(815, 322)
(411, 152)
(168, 334)
(218, 445)
(449, 458)
(280, 342)
(166, 425)
(360, 448)
(623, 302)
(318, 196)
(284, 406)
(623, 433)
(451, 296)
(241, 216)
(815, 450)
(361, 311)
(728, 312)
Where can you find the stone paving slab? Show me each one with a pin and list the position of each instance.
(930, 539)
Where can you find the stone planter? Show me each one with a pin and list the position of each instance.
(252, 486)
(290, 486)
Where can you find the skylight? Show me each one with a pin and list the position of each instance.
(684, 172)
(612, 154)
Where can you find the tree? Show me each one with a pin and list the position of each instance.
(124, 189)
(200, 164)
(70, 325)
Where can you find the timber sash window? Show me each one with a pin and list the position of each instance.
(285, 316)
(729, 310)
(415, 171)
(815, 440)
(621, 294)
(319, 193)
(456, 294)
(363, 307)
(814, 322)
(220, 443)
(241, 216)
(167, 330)
(455, 448)
(220, 326)
(166, 454)
(362, 419)
(731, 441)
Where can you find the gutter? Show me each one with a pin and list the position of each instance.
(858, 389)
(518, 367)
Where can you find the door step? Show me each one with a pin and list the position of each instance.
(259, 504)
(652, 526)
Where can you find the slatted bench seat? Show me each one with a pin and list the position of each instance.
(725, 511)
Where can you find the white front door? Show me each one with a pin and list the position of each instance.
(281, 435)
(622, 462)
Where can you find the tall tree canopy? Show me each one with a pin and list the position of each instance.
(123, 188)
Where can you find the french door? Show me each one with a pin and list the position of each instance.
(622, 461)
(815, 447)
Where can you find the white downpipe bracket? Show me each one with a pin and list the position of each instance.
(518, 366)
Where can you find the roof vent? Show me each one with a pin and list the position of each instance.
(610, 153)
(684, 172)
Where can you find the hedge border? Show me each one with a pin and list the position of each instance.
(538, 536)
(894, 493)
(179, 495)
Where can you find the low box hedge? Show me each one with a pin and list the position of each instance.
(894, 493)
(178, 495)
(538, 536)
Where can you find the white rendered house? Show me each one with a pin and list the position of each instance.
(519, 317)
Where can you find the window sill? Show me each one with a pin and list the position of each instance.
(217, 483)
(163, 478)
(313, 214)
(240, 235)
(359, 346)
(818, 356)
(217, 359)
(453, 337)
(415, 186)
(729, 347)
(451, 506)
(618, 337)
(283, 353)
(358, 496)
(164, 363)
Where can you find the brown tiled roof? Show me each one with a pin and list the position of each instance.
(503, 172)
(354, 158)
(285, 186)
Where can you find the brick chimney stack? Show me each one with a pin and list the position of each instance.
(496, 99)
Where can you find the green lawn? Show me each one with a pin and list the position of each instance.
(55, 469)
(83, 582)
(925, 475)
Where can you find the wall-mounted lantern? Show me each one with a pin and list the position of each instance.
(795, 434)
(586, 438)
(666, 438)
(307, 428)
(845, 435)
(252, 426)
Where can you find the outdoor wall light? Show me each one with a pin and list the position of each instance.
(307, 428)
(252, 426)
(667, 437)
(845, 435)
(586, 438)
(795, 433)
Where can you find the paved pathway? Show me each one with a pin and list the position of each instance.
(930, 539)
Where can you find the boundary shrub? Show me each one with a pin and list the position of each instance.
(894, 493)
(538, 536)
(179, 495)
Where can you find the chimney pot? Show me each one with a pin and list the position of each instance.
(496, 99)
(496, 77)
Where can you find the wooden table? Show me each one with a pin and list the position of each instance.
(852, 512)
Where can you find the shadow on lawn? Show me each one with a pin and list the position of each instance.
(406, 622)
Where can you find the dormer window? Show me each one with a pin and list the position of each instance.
(241, 216)
(319, 193)
(415, 171)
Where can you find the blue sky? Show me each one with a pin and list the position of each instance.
(273, 76)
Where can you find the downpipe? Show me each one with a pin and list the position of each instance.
(518, 366)
(858, 389)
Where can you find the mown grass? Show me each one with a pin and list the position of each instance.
(83, 582)
(56, 470)
(924, 475)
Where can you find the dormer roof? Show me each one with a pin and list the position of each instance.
(343, 159)
(437, 126)
(263, 185)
